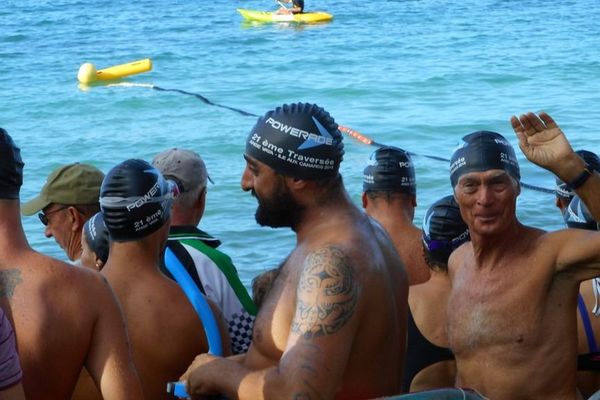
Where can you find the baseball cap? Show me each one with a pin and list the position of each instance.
(183, 166)
(70, 184)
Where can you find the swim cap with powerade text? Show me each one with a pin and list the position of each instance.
(591, 159)
(11, 167)
(96, 235)
(135, 200)
(576, 215)
(444, 229)
(299, 140)
(482, 151)
(390, 169)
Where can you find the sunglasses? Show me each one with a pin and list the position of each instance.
(44, 216)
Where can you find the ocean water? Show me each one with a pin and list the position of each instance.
(417, 74)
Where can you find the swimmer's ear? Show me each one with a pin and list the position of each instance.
(296, 183)
(365, 200)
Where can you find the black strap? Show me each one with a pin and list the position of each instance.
(186, 260)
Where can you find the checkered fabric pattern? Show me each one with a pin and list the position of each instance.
(240, 332)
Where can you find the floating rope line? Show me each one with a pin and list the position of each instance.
(344, 129)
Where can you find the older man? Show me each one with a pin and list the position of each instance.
(64, 318)
(511, 321)
(316, 334)
(68, 199)
(212, 271)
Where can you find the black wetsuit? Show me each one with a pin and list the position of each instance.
(420, 353)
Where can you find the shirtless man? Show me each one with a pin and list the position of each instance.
(333, 325)
(166, 333)
(390, 197)
(64, 318)
(511, 321)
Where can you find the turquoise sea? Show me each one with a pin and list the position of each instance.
(417, 74)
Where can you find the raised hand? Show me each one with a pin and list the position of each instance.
(542, 141)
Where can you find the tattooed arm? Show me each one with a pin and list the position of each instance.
(318, 346)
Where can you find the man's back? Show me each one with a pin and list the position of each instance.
(502, 353)
(166, 333)
(65, 317)
(372, 284)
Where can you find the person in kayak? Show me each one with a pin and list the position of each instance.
(297, 7)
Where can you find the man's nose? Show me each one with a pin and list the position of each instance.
(247, 180)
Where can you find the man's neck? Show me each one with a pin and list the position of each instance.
(126, 257)
(318, 214)
(12, 237)
(490, 249)
(179, 218)
(392, 215)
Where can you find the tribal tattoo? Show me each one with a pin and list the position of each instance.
(9, 279)
(327, 293)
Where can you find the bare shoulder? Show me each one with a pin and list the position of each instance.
(67, 280)
(327, 292)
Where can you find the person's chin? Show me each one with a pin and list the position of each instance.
(488, 224)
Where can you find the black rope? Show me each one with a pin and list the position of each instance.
(373, 143)
(205, 100)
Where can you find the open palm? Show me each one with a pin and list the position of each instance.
(540, 139)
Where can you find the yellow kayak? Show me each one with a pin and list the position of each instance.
(265, 16)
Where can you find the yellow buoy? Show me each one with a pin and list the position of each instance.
(88, 73)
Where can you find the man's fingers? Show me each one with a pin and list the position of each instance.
(528, 123)
(536, 122)
(548, 120)
(516, 125)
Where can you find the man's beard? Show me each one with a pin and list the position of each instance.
(281, 210)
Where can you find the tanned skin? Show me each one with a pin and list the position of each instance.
(512, 319)
(316, 335)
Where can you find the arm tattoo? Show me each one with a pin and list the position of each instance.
(327, 293)
(9, 279)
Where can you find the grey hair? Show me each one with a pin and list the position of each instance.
(189, 197)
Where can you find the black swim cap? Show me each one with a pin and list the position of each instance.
(576, 215)
(482, 151)
(96, 235)
(591, 159)
(11, 167)
(135, 200)
(390, 169)
(298, 140)
(444, 229)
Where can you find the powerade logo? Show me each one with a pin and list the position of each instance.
(312, 139)
(459, 162)
(149, 194)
